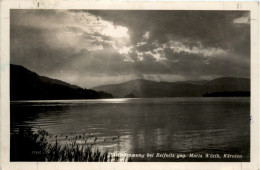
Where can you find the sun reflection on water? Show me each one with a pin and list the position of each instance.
(117, 100)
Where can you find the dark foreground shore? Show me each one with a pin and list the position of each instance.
(30, 145)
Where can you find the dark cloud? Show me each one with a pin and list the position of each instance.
(209, 27)
(86, 48)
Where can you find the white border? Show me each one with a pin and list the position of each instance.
(69, 4)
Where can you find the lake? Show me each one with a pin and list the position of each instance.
(147, 125)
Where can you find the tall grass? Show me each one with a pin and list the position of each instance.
(28, 145)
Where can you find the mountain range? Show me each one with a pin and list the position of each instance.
(225, 86)
(27, 85)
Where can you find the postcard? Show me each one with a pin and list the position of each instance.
(129, 85)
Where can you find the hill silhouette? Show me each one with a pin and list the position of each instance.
(147, 88)
(27, 85)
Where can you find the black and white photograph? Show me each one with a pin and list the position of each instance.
(129, 85)
(135, 84)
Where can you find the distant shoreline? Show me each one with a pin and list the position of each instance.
(228, 94)
(43, 100)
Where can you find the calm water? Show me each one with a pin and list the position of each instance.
(165, 125)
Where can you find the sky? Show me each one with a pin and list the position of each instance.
(89, 48)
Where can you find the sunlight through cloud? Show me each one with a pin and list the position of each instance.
(115, 31)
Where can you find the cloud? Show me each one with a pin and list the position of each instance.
(146, 35)
(211, 28)
(242, 20)
(91, 47)
(178, 47)
(62, 29)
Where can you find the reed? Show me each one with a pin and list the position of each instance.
(38, 145)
